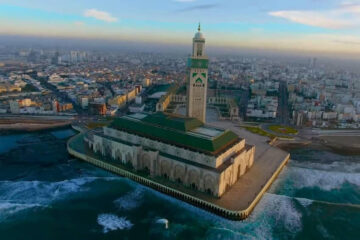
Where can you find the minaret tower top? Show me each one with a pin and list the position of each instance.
(198, 44)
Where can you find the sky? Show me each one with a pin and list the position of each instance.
(300, 25)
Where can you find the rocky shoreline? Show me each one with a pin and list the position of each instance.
(11, 126)
(344, 145)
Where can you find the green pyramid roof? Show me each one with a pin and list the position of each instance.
(175, 130)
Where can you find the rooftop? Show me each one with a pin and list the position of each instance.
(177, 130)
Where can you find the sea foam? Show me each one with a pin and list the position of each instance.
(8, 209)
(326, 180)
(43, 191)
(131, 200)
(272, 211)
(111, 222)
(336, 166)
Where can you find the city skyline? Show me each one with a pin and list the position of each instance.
(142, 123)
(307, 25)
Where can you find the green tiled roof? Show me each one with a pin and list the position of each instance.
(173, 121)
(174, 130)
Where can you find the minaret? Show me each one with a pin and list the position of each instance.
(198, 78)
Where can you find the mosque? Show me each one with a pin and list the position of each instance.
(182, 149)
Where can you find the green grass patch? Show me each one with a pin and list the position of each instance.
(259, 131)
(283, 129)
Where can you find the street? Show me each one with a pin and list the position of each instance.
(283, 109)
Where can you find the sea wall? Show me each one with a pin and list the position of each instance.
(218, 210)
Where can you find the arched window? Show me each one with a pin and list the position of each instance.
(199, 49)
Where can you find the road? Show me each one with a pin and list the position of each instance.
(59, 94)
(283, 108)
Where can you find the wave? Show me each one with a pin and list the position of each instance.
(336, 166)
(301, 177)
(131, 200)
(8, 209)
(111, 222)
(272, 211)
(16, 196)
(279, 208)
(43, 192)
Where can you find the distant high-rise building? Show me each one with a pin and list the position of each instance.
(55, 58)
(312, 63)
(73, 56)
(14, 106)
(198, 78)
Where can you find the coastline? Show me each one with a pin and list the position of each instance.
(343, 145)
(274, 211)
(229, 206)
(8, 126)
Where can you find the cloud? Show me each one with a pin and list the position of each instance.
(346, 15)
(351, 7)
(347, 42)
(198, 7)
(100, 15)
(313, 18)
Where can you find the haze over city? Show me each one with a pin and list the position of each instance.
(330, 27)
(179, 119)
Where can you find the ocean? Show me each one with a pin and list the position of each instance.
(47, 194)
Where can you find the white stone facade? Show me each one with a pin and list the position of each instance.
(206, 173)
